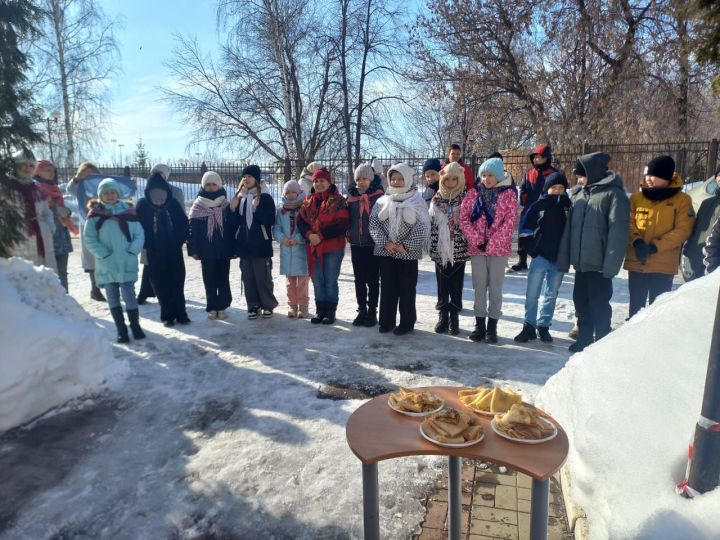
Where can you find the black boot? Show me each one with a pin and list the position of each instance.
(544, 333)
(478, 333)
(528, 334)
(361, 316)
(491, 335)
(521, 264)
(122, 332)
(95, 292)
(320, 313)
(330, 310)
(443, 322)
(134, 318)
(371, 317)
(454, 323)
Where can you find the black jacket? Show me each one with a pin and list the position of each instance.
(219, 245)
(255, 241)
(543, 224)
(165, 226)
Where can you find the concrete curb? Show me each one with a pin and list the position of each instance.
(577, 519)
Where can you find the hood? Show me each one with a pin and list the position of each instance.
(543, 150)
(157, 181)
(407, 173)
(596, 166)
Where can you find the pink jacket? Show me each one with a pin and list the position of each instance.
(499, 235)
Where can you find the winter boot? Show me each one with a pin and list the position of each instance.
(454, 323)
(361, 316)
(478, 333)
(95, 292)
(521, 264)
(302, 311)
(544, 333)
(134, 318)
(319, 313)
(491, 335)
(293, 312)
(122, 331)
(443, 322)
(574, 331)
(528, 334)
(329, 317)
(371, 317)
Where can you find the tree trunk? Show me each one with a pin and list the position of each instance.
(57, 18)
(347, 121)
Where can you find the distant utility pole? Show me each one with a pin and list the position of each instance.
(121, 153)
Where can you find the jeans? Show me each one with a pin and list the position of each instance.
(113, 290)
(543, 274)
(325, 276)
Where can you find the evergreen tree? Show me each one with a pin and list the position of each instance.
(142, 159)
(708, 41)
(15, 125)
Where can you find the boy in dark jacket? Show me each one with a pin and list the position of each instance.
(166, 230)
(712, 248)
(707, 214)
(543, 225)
(252, 212)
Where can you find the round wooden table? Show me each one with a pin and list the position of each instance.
(375, 433)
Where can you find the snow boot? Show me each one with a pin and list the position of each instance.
(573, 333)
(122, 331)
(443, 322)
(319, 313)
(361, 316)
(134, 318)
(528, 334)
(579, 345)
(371, 317)
(212, 314)
(222, 314)
(293, 312)
(491, 335)
(302, 311)
(330, 310)
(95, 292)
(454, 323)
(544, 333)
(478, 333)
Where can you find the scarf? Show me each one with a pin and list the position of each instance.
(321, 203)
(251, 200)
(354, 195)
(446, 215)
(210, 206)
(486, 203)
(660, 194)
(123, 218)
(49, 190)
(293, 205)
(29, 194)
(162, 223)
(401, 208)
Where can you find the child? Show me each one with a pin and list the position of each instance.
(210, 242)
(363, 193)
(431, 172)
(115, 238)
(448, 247)
(166, 230)
(400, 227)
(293, 259)
(543, 224)
(488, 215)
(252, 212)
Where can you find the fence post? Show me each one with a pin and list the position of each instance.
(126, 171)
(712, 158)
(474, 166)
(287, 170)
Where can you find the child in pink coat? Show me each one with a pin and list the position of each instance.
(488, 216)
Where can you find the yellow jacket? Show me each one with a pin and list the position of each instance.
(666, 224)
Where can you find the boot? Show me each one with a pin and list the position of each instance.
(544, 333)
(95, 292)
(361, 316)
(320, 313)
(371, 317)
(478, 333)
(573, 333)
(302, 311)
(454, 323)
(521, 264)
(528, 334)
(122, 331)
(491, 335)
(134, 318)
(293, 312)
(329, 313)
(579, 345)
(443, 322)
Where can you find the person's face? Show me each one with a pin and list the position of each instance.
(249, 181)
(581, 180)
(211, 188)
(397, 180)
(363, 183)
(110, 196)
(557, 189)
(655, 182)
(489, 180)
(25, 169)
(291, 195)
(455, 155)
(432, 176)
(46, 173)
(539, 159)
(321, 185)
(451, 182)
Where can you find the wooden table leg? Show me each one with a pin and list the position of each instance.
(539, 509)
(371, 501)
(454, 497)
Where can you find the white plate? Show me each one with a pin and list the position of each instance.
(525, 441)
(410, 413)
(451, 445)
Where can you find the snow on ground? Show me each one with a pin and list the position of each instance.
(219, 430)
(629, 404)
(51, 350)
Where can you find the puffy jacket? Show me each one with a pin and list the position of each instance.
(598, 226)
(293, 259)
(712, 248)
(707, 215)
(255, 241)
(543, 225)
(531, 187)
(665, 223)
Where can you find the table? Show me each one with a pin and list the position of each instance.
(375, 433)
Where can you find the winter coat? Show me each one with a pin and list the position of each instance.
(707, 216)
(62, 244)
(446, 213)
(219, 245)
(165, 226)
(293, 259)
(543, 224)
(663, 218)
(497, 237)
(712, 248)
(360, 207)
(255, 240)
(414, 237)
(326, 215)
(116, 255)
(531, 187)
(598, 226)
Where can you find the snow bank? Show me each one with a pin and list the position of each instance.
(50, 350)
(629, 405)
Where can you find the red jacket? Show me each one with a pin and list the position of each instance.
(325, 214)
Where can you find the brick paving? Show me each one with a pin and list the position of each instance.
(496, 504)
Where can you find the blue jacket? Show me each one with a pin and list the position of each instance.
(116, 257)
(293, 259)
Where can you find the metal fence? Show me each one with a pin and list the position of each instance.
(694, 161)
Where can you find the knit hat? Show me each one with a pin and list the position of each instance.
(456, 170)
(554, 179)
(322, 173)
(162, 169)
(662, 167)
(252, 170)
(406, 172)
(211, 177)
(432, 164)
(579, 169)
(364, 170)
(292, 186)
(44, 164)
(106, 185)
(495, 167)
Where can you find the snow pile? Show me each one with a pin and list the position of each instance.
(629, 405)
(50, 350)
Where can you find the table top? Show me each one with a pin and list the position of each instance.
(375, 432)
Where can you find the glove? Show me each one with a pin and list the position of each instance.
(642, 250)
(652, 248)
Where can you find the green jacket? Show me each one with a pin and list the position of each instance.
(598, 226)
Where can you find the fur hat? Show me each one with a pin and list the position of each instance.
(292, 186)
(364, 170)
(162, 169)
(493, 166)
(456, 170)
(432, 164)
(106, 185)
(662, 167)
(554, 179)
(322, 173)
(252, 170)
(211, 177)
(406, 172)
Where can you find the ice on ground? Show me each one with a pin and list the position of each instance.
(629, 404)
(51, 350)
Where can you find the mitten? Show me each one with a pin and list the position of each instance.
(642, 250)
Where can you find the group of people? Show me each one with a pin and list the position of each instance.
(390, 224)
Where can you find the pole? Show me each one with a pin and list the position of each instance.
(712, 158)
